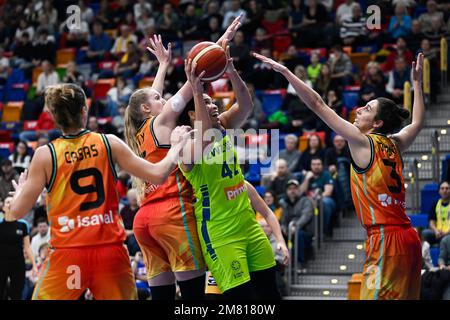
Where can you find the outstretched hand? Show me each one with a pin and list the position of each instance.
(278, 67)
(156, 47)
(417, 68)
(230, 32)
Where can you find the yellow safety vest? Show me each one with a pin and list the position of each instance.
(442, 217)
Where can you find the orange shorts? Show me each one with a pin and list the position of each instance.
(393, 264)
(104, 270)
(167, 235)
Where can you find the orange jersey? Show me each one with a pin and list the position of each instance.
(378, 191)
(82, 202)
(176, 185)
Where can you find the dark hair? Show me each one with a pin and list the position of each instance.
(315, 158)
(65, 102)
(184, 119)
(442, 182)
(309, 139)
(17, 156)
(41, 220)
(391, 114)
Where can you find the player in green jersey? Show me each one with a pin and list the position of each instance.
(235, 248)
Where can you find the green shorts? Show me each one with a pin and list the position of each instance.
(247, 251)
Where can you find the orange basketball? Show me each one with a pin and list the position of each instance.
(211, 58)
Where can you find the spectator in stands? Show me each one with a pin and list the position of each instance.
(278, 180)
(298, 208)
(272, 202)
(344, 10)
(439, 216)
(211, 9)
(49, 11)
(341, 67)
(257, 117)
(432, 12)
(20, 158)
(5, 35)
(313, 69)
(7, 175)
(240, 52)
(119, 121)
(23, 27)
(397, 79)
(42, 237)
(261, 76)
(415, 36)
(140, 7)
(140, 273)
(318, 179)
(4, 67)
(324, 83)
(437, 31)
(121, 11)
(48, 77)
(261, 40)
(353, 30)
(300, 117)
(254, 17)
(190, 24)
(99, 43)
(45, 128)
(169, 23)
(373, 83)
(23, 54)
(87, 14)
(401, 23)
(147, 66)
(332, 154)
(144, 21)
(121, 44)
(44, 48)
(129, 63)
(444, 262)
(401, 50)
(93, 125)
(127, 213)
(234, 11)
(333, 101)
(432, 54)
(295, 16)
(290, 153)
(315, 18)
(73, 76)
(314, 150)
(117, 95)
(105, 15)
(213, 29)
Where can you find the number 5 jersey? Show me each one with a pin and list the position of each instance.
(378, 191)
(82, 201)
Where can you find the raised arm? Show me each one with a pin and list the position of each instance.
(155, 173)
(164, 57)
(407, 135)
(202, 118)
(260, 206)
(314, 101)
(236, 116)
(31, 183)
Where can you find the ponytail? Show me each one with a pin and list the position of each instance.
(391, 114)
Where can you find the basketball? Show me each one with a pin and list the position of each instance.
(211, 58)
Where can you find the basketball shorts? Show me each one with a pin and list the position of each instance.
(167, 235)
(68, 272)
(393, 264)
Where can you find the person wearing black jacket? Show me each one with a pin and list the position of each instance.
(14, 240)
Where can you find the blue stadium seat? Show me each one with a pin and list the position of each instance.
(18, 92)
(16, 76)
(434, 252)
(419, 220)
(261, 190)
(5, 149)
(271, 102)
(350, 99)
(429, 195)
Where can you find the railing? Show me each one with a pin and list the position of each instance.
(426, 81)
(443, 64)
(407, 96)
(435, 156)
(414, 183)
(293, 240)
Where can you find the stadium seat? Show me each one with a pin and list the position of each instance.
(146, 82)
(281, 43)
(257, 139)
(64, 56)
(428, 195)
(30, 125)
(61, 71)
(107, 65)
(104, 120)
(321, 134)
(350, 99)
(36, 72)
(6, 148)
(81, 55)
(261, 190)
(272, 100)
(101, 88)
(354, 286)
(18, 92)
(360, 59)
(434, 252)
(419, 220)
(302, 143)
(226, 98)
(112, 33)
(5, 136)
(10, 126)
(12, 112)
(16, 76)
(220, 85)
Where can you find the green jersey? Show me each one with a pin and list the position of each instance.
(220, 189)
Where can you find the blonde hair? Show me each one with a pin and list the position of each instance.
(133, 120)
(65, 102)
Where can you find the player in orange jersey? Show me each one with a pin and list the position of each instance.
(393, 250)
(87, 233)
(165, 225)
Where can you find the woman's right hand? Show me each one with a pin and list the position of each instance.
(194, 80)
(278, 67)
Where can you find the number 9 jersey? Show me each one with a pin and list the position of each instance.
(82, 201)
(378, 191)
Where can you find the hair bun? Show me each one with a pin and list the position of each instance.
(402, 113)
